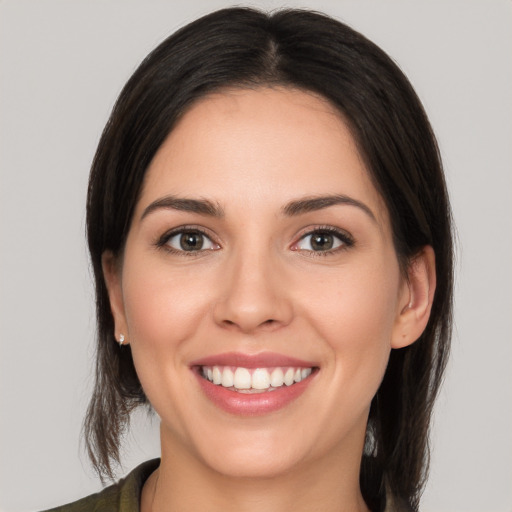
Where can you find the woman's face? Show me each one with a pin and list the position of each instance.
(259, 254)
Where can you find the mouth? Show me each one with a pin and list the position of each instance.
(251, 385)
(254, 380)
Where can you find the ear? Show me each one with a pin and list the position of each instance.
(416, 299)
(112, 276)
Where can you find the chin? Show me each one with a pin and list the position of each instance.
(252, 466)
(251, 453)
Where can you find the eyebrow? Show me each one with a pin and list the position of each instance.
(292, 209)
(311, 204)
(200, 206)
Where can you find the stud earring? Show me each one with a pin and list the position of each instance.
(121, 339)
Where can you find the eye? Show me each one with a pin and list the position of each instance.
(189, 240)
(323, 240)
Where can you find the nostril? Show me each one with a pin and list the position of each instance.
(271, 322)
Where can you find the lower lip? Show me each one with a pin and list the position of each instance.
(252, 404)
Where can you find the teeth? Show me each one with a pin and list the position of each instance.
(227, 378)
(217, 375)
(305, 372)
(288, 376)
(242, 379)
(277, 378)
(257, 379)
(260, 379)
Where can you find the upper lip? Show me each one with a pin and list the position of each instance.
(262, 360)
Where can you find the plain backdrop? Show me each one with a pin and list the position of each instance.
(62, 64)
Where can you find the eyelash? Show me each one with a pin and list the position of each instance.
(346, 240)
(162, 242)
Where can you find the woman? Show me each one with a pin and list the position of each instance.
(270, 234)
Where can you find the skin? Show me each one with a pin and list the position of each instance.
(259, 286)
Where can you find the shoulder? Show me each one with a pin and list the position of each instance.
(123, 496)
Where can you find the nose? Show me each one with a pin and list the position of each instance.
(254, 295)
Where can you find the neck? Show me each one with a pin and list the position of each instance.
(184, 483)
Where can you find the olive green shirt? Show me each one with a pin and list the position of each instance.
(124, 496)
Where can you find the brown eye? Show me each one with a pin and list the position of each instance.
(323, 240)
(190, 241)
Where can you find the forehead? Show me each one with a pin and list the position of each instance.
(260, 146)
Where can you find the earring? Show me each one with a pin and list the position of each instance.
(121, 339)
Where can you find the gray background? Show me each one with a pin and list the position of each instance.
(62, 64)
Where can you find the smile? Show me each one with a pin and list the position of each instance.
(254, 380)
(253, 384)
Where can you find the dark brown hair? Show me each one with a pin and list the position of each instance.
(244, 48)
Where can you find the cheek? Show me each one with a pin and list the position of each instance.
(360, 302)
(355, 313)
(162, 306)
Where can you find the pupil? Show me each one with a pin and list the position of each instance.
(191, 241)
(322, 242)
